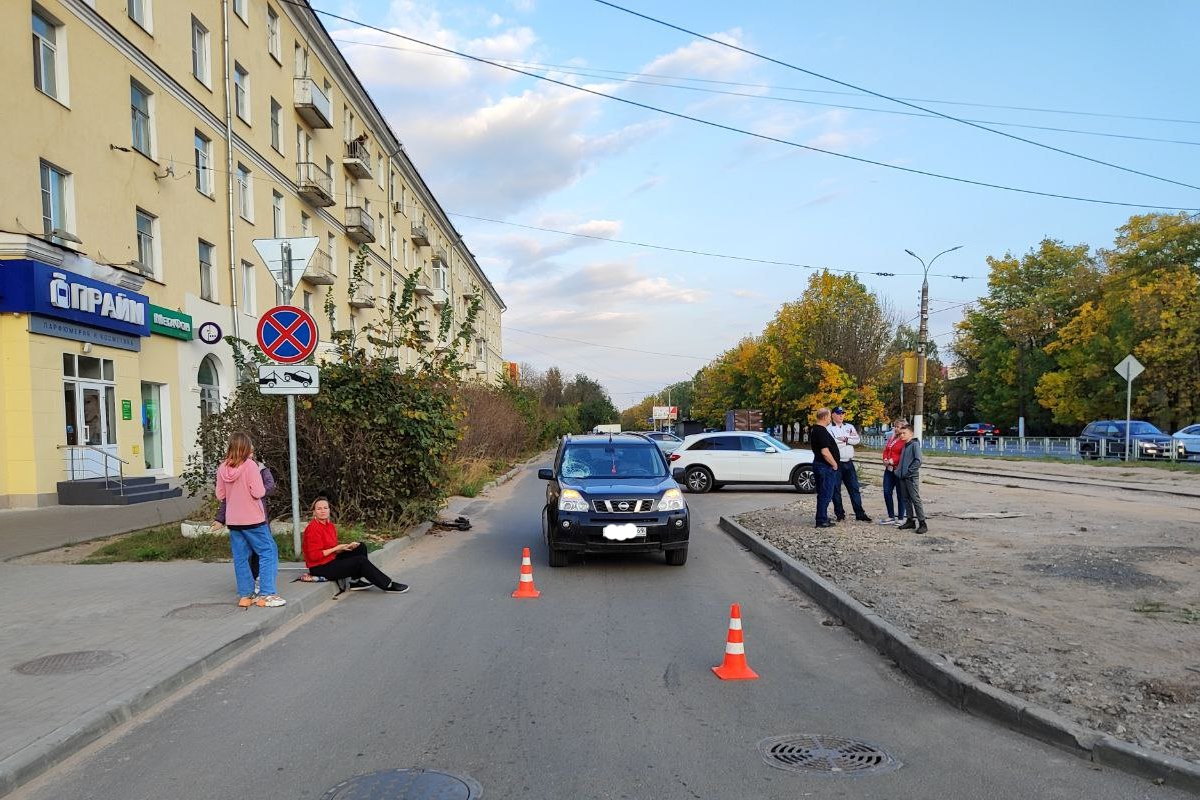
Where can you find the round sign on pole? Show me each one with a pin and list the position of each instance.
(287, 334)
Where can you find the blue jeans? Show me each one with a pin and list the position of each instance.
(828, 482)
(891, 485)
(258, 540)
(849, 479)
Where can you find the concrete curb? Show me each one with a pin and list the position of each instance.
(962, 689)
(31, 761)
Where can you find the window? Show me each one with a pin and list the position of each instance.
(379, 168)
(45, 55)
(276, 122)
(208, 284)
(200, 52)
(245, 193)
(277, 223)
(204, 182)
(55, 185)
(273, 35)
(146, 225)
(307, 302)
(481, 350)
(239, 8)
(247, 288)
(301, 61)
(139, 12)
(241, 92)
(139, 106)
(332, 253)
(305, 224)
(392, 243)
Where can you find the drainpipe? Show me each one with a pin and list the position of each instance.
(233, 264)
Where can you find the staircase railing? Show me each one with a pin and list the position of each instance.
(73, 450)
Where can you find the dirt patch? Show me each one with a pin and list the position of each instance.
(70, 554)
(1081, 598)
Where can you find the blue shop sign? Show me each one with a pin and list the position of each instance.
(31, 286)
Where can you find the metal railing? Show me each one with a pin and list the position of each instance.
(1066, 447)
(73, 450)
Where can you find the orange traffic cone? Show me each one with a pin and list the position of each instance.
(526, 588)
(734, 668)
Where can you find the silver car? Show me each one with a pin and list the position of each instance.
(667, 442)
(1189, 437)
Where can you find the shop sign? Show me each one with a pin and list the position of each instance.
(166, 322)
(126, 409)
(33, 286)
(48, 326)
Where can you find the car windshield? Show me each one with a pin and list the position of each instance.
(1139, 429)
(612, 461)
(780, 446)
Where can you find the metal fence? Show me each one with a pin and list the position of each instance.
(1042, 446)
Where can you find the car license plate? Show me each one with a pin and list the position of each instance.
(621, 533)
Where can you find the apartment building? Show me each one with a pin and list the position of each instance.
(148, 144)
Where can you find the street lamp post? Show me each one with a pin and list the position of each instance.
(919, 400)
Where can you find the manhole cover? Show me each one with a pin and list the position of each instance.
(62, 663)
(826, 755)
(406, 784)
(202, 611)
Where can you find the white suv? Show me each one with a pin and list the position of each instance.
(712, 460)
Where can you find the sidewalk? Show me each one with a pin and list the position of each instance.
(125, 636)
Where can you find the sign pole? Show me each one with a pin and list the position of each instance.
(286, 252)
(1128, 414)
(1129, 368)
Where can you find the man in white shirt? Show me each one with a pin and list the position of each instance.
(846, 437)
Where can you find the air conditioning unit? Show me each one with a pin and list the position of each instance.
(397, 208)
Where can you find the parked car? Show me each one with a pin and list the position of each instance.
(712, 460)
(669, 442)
(978, 429)
(613, 494)
(1189, 437)
(1106, 439)
(301, 378)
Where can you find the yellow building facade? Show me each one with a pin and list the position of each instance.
(157, 140)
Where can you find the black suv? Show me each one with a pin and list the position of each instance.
(613, 494)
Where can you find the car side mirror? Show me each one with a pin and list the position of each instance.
(770, 450)
(678, 474)
(545, 474)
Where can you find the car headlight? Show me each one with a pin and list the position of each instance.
(672, 500)
(571, 500)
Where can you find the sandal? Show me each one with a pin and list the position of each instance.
(245, 602)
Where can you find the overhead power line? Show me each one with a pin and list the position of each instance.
(732, 129)
(646, 79)
(882, 96)
(707, 254)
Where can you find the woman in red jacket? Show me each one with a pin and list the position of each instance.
(328, 558)
(891, 483)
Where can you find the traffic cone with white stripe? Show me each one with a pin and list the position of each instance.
(526, 588)
(734, 668)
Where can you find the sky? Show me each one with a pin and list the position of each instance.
(507, 154)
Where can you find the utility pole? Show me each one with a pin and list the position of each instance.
(919, 400)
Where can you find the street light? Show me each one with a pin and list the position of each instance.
(920, 398)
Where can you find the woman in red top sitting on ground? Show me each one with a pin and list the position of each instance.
(328, 558)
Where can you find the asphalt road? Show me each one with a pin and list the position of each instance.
(601, 688)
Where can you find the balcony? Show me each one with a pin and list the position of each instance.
(439, 297)
(359, 225)
(420, 235)
(423, 289)
(439, 258)
(357, 160)
(320, 269)
(311, 103)
(314, 184)
(364, 296)
(481, 365)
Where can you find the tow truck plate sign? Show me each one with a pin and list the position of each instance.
(289, 379)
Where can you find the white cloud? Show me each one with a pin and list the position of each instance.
(702, 59)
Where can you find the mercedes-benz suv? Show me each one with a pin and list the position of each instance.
(609, 494)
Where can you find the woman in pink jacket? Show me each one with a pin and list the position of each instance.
(240, 486)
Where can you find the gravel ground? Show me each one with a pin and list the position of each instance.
(1081, 598)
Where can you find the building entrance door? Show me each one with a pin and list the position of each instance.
(91, 424)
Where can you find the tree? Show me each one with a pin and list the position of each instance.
(552, 388)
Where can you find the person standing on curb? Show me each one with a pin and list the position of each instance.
(825, 465)
(909, 472)
(240, 486)
(897, 513)
(846, 437)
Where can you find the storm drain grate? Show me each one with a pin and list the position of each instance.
(202, 611)
(826, 755)
(406, 784)
(64, 663)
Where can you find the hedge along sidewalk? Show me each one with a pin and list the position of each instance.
(962, 689)
(133, 611)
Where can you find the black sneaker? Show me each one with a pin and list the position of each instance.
(398, 588)
(358, 584)
(862, 518)
(922, 528)
(841, 518)
(908, 525)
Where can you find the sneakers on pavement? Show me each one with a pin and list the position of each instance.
(271, 601)
(888, 521)
(397, 588)
(862, 518)
(909, 525)
(358, 584)
(245, 602)
(922, 528)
